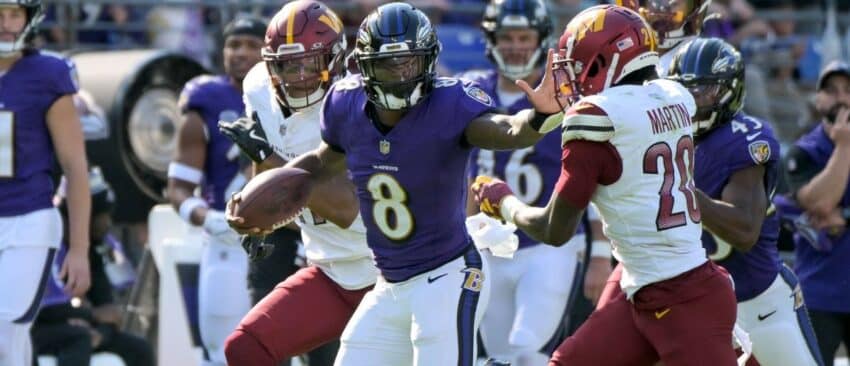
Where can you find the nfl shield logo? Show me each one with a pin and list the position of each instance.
(384, 147)
(760, 151)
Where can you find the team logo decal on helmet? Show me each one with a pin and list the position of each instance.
(599, 47)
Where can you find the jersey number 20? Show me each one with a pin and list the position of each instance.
(7, 144)
(666, 218)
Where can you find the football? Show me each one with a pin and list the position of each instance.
(273, 198)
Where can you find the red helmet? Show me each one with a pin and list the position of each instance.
(599, 47)
(674, 21)
(303, 52)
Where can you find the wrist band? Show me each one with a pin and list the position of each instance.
(600, 248)
(544, 123)
(537, 120)
(188, 205)
(185, 172)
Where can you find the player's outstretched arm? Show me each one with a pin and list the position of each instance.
(493, 131)
(553, 224)
(505, 132)
(738, 215)
(66, 133)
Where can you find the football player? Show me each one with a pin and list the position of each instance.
(404, 136)
(627, 143)
(520, 320)
(736, 172)
(675, 22)
(303, 55)
(38, 126)
(207, 159)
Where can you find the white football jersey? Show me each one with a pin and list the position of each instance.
(650, 213)
(341, 253)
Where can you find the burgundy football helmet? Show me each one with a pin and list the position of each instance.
(599, 47)
(304, 49)
(674, 21)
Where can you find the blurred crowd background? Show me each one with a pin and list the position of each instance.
(785, 42)
(129, 109)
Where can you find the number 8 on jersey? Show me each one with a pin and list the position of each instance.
(390, 210)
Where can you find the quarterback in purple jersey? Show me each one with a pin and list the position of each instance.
(736, 172)
(404, 136)
(38, 127)
(207, 159)
(530, 291)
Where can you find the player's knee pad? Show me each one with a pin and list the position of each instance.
(224, 292)
(242, 348)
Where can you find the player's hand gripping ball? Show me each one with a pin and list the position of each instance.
(489, 193)
(270, 200)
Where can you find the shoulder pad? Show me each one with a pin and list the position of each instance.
(586, 121)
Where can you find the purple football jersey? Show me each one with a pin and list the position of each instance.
(215, 99)
(27, 90)
(411, 181)
(531, 172)
(824, 276)
(737, 145)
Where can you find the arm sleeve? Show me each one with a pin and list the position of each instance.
(584, 164)
(799, 168)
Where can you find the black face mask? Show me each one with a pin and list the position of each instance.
(832, 113)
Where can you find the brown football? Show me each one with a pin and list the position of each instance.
(273, 198)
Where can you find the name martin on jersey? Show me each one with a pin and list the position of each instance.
(669, 118)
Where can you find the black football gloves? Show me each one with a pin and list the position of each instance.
(248, 134)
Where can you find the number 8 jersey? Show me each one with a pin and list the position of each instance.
(410, 180)
(649, 210)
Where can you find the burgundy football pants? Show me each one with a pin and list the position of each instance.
(305, 311)
(685, 320)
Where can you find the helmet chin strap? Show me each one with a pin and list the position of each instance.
(513, 71)
(298, 103)
(10, 48)
(394, 103)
